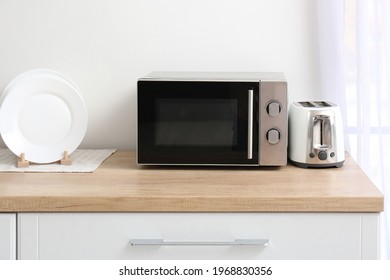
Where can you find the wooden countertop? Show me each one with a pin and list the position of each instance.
(119, 185)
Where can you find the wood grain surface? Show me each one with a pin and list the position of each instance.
(119, 185)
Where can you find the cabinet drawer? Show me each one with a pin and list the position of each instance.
(108, 235)
(7, 236)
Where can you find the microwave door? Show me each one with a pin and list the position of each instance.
(197, 123)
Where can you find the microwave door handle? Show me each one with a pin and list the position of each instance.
(250, 124)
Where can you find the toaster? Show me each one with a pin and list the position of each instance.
(316, 136)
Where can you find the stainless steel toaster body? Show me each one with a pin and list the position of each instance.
(316, 134)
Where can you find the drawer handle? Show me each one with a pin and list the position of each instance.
(161, 242)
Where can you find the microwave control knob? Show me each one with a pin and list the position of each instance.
(273, 109)
(273, 136)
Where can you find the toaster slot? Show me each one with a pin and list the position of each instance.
(315, 104)
(322, 104)
(306, 104)
(322, 133)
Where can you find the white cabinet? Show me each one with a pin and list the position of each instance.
(108, 235)
(7, 236)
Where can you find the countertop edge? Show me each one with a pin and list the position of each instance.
(201, 204)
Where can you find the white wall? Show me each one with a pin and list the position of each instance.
(104, 46)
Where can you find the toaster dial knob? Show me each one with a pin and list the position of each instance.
(273, 136)
(273, 109)
(322, 155)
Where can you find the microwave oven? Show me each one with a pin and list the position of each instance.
(210, 118)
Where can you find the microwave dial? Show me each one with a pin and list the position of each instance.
(274, 108)
(273, 136)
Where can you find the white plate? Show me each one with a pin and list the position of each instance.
(42, 115)
(32, 74)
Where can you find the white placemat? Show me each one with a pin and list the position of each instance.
(83, 161)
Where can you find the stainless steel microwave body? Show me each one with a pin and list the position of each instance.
(209, 118)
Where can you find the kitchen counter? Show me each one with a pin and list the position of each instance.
(119, 185)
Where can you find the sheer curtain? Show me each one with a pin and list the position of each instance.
(354, 40)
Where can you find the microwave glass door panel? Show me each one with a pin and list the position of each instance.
(193, 122)
(196, 122)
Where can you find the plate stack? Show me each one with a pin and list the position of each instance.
(42, 115)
